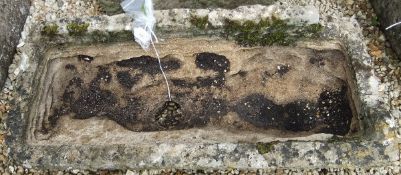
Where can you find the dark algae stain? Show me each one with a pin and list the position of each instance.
(127, 80)
(212, 61)
(214, 107)
(208, 62)
(70, 67)
(93, 101)
(97, 97)
(68, 95)
(217, 81)
(103, 75)
(149, 65)
(126, 115)
(335, 111)
(331, 114)
(300, 116)
(201, 82)
(259, 111)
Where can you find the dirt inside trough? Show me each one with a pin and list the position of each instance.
(218, 88)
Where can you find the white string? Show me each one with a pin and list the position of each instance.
(161, 67)
(393, 25)
(128, 4)
(154, 35)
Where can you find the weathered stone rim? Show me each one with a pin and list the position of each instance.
(375, 141)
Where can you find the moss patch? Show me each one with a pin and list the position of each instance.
(264, 148)
(50, 30)
(77, 29)
(200, 22)
(374, 21)
(269, 32)
(312, 30)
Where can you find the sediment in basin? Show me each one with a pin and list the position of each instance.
(217, 86)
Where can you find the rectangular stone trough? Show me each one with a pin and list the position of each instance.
(113, 97)
(105, 106)
(220, 92)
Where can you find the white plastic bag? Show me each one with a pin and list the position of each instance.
(144, 21)
(142, 28)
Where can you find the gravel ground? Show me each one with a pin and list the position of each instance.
(387, 68)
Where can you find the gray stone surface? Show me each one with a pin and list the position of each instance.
(375, 144)
(204, 4)
(207, 83)
(112, 7)
(12, 18)
(389, 13)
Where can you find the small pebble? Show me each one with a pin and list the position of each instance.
(75, 171)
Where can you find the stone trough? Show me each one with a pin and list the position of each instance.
(220, 92)
(103, 105)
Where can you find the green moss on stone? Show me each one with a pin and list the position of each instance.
(374, 21)
(200, 22)
(99, 36)
(77, 29)
(312, 30)
(269, 32)
(50, 30)
(264, 148)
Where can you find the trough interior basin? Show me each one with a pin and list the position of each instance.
(221, 92)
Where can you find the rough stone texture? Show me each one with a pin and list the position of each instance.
(204, 4)
(112, 7)
(389, 13)
(375, 145)
(221, 89)
(12, 19)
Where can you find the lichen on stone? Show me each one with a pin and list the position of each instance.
(264, 148)
(77, 29)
